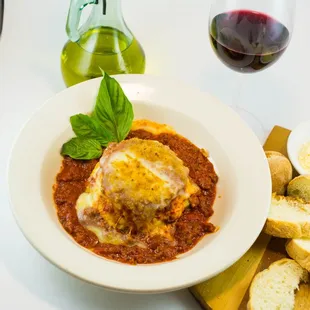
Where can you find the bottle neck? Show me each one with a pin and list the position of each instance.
(107, 12)
(111, 9)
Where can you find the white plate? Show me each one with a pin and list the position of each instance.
(243, 191)
(298, 136)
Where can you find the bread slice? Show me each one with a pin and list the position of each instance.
(288, 218)
(299, 250)
(281, 171)
(274, 288)
(300, 187)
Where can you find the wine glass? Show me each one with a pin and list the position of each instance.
(249, 36)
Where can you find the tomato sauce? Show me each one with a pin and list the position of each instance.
(188, 229)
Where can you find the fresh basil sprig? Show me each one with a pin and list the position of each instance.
(113, 109)
(82, 148)
(85, 126)
(110, 121)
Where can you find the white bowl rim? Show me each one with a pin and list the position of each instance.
(260, 209)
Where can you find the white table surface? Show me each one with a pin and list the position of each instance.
(174, 34)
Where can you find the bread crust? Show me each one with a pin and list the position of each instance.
(300, 187)
(298, 253)
(288, 229)
(281, 171)
(282, 229)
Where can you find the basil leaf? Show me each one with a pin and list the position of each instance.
(87, 127)
(111, 121)
(113, 109)
(82, 148)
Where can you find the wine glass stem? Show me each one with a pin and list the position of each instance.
(252, 121)
(237, 94)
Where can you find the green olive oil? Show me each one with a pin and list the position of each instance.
(102, 47)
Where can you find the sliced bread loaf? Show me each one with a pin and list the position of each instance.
(288, 218)
(281, 171)
(300, 187)
(274, 288)
(299, 250)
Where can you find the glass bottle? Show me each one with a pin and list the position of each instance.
(104, 41)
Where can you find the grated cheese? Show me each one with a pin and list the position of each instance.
(304, 156)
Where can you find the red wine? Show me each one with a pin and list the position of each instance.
(248, 41)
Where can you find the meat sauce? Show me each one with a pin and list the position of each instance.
(189, 228)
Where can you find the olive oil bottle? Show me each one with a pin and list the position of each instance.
(104, 41)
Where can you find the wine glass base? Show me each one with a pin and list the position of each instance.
(252, 122)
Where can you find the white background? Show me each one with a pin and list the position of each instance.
(174, 34)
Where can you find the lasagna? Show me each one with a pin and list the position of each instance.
(146, 200)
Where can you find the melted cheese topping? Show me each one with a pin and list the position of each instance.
(152, 127)
(143, 175)
(304, 156)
